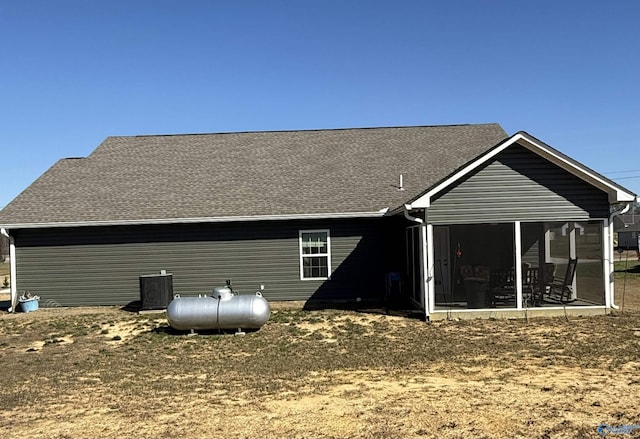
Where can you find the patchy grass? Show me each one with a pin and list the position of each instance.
(104, 372)
(627, 269)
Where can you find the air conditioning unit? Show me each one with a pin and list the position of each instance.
(156, 291)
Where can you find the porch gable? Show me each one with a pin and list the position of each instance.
(552, 157)
(517, 185)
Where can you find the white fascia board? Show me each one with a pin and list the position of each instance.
(616, 194)
(425, 200)
(222, 219)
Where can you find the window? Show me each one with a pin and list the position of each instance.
(315, 254)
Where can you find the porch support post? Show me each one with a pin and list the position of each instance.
(547, 243)
(428, 280)
(518, 250)
(607, 250)
(573, 253)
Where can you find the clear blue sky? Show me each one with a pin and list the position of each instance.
(74, 72)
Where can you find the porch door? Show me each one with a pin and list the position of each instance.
(441, 258)
(413, 265)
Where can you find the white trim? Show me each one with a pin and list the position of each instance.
(430, 280)
(424, 270)
(218, 219)
(315, 255)
(616, 194)
(607, 235)
(409, 217)
(573, 254)
(13, 292)
(497, 311)
(547, 241)
(517, 236)
(425, 200)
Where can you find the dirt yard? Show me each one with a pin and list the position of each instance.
(109, 373)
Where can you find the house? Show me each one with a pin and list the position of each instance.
(324, 216)
(627, 227)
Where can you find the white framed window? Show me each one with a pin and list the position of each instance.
(315, 254)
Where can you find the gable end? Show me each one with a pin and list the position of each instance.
(518, 185)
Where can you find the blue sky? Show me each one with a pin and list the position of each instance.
(74, 72)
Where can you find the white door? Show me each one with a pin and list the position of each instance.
(441, 258)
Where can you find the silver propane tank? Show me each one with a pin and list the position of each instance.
(222, 310)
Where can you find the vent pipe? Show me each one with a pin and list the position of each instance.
(401, 187)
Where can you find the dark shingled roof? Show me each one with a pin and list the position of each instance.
(174, 177)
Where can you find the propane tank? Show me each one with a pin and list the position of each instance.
(222, 310)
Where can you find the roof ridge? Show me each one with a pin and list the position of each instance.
(307, 130)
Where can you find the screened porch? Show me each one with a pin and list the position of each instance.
(518, 265)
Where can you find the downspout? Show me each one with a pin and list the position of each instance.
(12, 268)
(407, 207)
(611, 256)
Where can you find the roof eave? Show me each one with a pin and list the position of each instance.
(617, 193)
(224, 219)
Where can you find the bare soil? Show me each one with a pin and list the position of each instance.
(109, 373)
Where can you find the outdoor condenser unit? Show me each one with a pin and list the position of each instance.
(156, 290)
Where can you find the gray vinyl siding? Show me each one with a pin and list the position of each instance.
(102, 265)
(518, 185)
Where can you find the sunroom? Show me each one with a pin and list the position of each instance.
(523, 229)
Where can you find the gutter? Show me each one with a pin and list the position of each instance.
(221, 219)
(407, 208)
(12, 268)
(611, 257)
